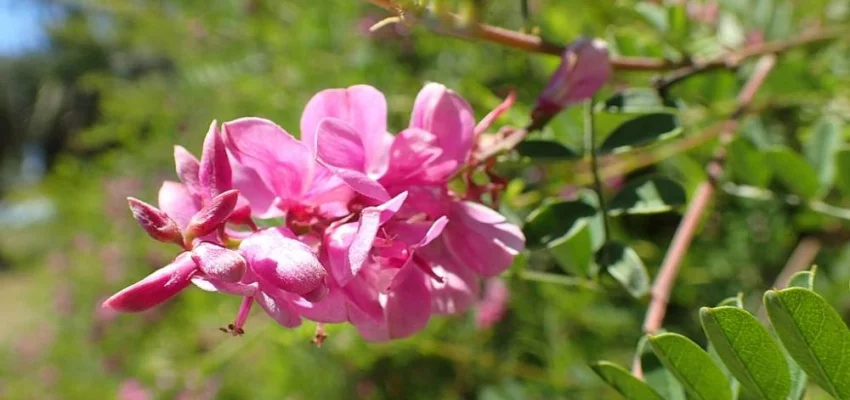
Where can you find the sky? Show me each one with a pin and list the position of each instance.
(20, 26)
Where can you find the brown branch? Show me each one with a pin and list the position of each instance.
(666, 277)
(682, 69)
(734, 59)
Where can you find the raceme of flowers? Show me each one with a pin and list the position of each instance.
(372, 234)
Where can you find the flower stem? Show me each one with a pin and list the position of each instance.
(590, 147)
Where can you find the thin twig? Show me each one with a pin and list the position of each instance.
(666, 277)
(590, 147)
(683, 69)
(734, 59)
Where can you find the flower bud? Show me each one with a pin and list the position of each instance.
(214, 172)
(213, 215)
(585, 67)
(155, 222)
(218, 262)
(155, 288)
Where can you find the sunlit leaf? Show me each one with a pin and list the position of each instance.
(625, 266)
(640, 131)
(554, 220)
(574, 251)
(621, 380)
(545, 150)
(648, 195)
(748, 350)
(692, 366)
(814, 335)
(821, 148)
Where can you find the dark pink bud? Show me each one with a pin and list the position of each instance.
(215, 174)
(213, 215)
(155, 222)
(155, 288)
(219, 263)
(585, 67)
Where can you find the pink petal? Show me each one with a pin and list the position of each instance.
(279, 308)
(282, 162)
(215, 173)
(363, 296)
(363, 108)
(415, 158)
(177, 202)
(449, 117)
(331, 309)
(155, 222)
(481, 239)
(408, 305)
(218, 262)
(155, 288)
(254, 190)
(188, 170)
(283, 262)
(338, 148)
(339, 145)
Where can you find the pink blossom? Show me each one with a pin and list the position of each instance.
(131, 389)
(585, 67)
(373, 235)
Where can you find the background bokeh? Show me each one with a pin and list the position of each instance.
(94, 94)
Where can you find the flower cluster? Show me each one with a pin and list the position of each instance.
(372, 234)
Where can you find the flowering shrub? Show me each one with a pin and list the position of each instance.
(371, 233)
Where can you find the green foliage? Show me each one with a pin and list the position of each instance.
(640, 131)
(811, 337)
(649, 195)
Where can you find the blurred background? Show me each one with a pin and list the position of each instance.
(94, 94)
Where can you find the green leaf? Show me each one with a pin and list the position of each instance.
(794, 172)
(821, 147)
(734, 385)
(749, 351)
(804, 279)
(653, 194)
(640, 131)
(692, 366)
(636, 101)
(746, 164)
(574, 251)
(554, 220)
(814, 335)
(625, 266)
(842, 163)
(545, 150)
(621, 380)
(655, 375)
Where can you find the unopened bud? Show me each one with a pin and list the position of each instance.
(214, 172)
(585, 68)
(213, 215)
(155, 288)
(155, 222)
(218, 262)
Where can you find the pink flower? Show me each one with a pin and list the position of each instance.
(392, 302)
(372, 235)
(585, 67)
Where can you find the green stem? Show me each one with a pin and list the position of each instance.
(590, 147)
